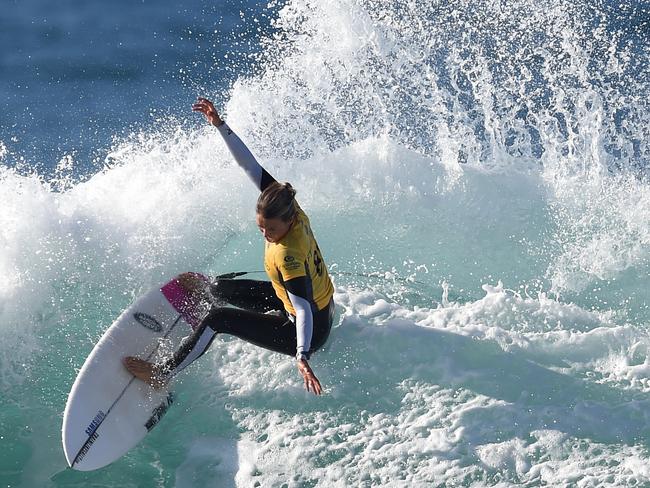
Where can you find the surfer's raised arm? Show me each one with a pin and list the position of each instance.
(240, 152)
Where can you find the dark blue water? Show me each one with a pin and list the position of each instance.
(74, 75)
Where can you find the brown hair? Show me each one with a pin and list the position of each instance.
(277, 201)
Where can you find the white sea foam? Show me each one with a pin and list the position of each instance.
(444, 395)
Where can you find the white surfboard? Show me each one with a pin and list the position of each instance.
(109, 411)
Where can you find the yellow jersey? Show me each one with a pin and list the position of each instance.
(295, 255)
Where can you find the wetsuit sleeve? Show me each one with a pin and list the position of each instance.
(245, 158)
(299, 291)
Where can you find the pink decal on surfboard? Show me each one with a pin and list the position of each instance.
(189, 305)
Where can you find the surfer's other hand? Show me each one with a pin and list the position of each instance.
(311, 382)
(144, 371)
(206, 107)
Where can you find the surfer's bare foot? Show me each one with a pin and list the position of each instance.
(144, 371)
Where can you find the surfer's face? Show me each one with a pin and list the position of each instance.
(273, 230)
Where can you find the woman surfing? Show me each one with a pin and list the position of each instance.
(299, 287)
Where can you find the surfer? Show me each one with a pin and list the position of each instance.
(292, 314)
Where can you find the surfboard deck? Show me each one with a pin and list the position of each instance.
(108, 410)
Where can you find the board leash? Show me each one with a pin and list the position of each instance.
(235, 274)
(229, 276)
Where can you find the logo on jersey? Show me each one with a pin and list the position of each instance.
(290, 263)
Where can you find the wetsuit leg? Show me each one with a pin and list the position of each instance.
(272, 332)
(254, 295)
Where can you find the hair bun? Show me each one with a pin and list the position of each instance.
(287, 186)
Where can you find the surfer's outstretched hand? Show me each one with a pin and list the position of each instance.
(311, 382)
(206, 107)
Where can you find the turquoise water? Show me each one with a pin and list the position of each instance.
(477, 177)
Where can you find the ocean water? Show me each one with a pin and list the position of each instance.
(476, 173)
